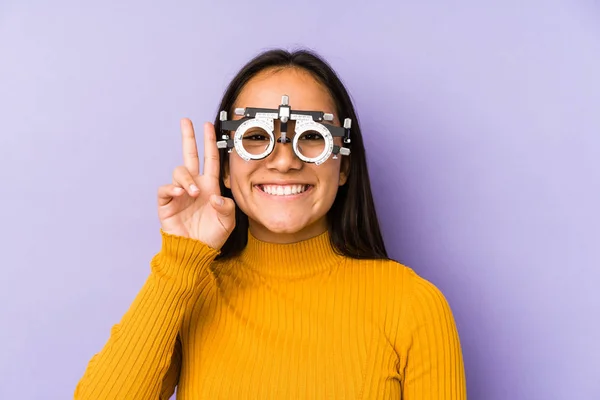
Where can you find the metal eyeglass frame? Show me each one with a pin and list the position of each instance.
(265, 118)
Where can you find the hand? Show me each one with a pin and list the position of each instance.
(192, 206)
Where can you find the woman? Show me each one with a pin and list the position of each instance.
(273, 281)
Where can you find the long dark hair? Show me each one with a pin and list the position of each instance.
(352, 220)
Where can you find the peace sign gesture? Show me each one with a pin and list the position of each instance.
(192, 206)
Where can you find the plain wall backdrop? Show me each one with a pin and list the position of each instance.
(482, 126)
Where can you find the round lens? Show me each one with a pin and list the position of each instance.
(311, 144)
(255, 141)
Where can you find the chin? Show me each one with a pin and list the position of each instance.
(286, 226)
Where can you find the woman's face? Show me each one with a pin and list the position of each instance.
(255, 183)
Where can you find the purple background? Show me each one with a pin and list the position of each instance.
(482, 125)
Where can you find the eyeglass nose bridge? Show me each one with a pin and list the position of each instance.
(283, 155)
(283, 139)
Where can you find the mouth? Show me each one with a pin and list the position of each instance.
(284, 190)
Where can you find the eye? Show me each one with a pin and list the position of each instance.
(311, 135)
(255, 135)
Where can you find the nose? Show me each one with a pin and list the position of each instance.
(283, 158)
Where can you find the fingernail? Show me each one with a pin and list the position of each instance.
(178, 190)
(194, 187)
(219, 200)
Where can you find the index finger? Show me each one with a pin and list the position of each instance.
(211, 151)
(190, 150)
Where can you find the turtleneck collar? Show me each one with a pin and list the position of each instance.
(292, 260)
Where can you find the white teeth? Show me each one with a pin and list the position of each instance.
(277, 190)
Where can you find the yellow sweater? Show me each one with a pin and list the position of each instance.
(293, 321)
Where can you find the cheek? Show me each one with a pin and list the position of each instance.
(329, 179)
(235, 175)
(330, 169)
(240, 173)
(239, 170)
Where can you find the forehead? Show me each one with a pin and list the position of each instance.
(266, 88)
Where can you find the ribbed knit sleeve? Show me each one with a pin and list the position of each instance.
(434, 365)
(141, 358)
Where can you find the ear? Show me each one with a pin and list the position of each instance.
(344, 170)
(226, 175)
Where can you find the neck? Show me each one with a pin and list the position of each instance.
(296, 260)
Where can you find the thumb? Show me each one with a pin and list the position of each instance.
(223, 205)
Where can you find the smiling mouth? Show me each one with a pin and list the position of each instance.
(284, 190)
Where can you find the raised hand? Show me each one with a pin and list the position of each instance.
(192, 206)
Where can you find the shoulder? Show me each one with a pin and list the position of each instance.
(427, 313)
(403, 290)
(379, 268)
(390, 277)
(421, 298)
